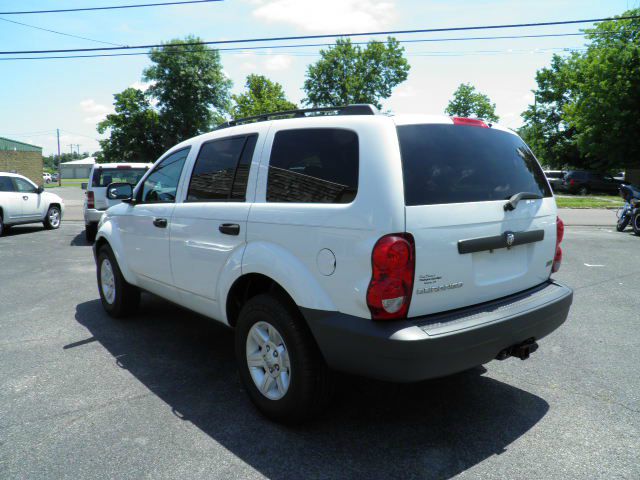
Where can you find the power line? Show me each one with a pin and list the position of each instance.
(332, 35)
(87, 9)
(61, 33)
(302, 54)
(300, 45)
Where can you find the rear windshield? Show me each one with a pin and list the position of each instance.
(457, 164)
(104, 176)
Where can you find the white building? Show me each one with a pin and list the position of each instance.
(77, 168)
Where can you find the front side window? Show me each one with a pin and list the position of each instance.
(221, 170)
(162, 184)
(459, 164)
(23, 186)
(316, 165)
(6, 185)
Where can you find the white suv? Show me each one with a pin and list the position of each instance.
(22, 201)
(95, 198)
(400, 248)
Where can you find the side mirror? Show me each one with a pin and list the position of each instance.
(119, 191)
(40, 190)
(83, 185)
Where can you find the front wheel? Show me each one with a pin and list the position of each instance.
(52, 219)
(280, 364)
(635, 223)
(623, 221)
(119, 298)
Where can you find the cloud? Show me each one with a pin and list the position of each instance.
(96, 111)
(143, 87)
(278, 62)
(328, 15)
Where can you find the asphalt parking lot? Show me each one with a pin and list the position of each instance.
(84, 396)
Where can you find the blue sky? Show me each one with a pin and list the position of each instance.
(36, 97)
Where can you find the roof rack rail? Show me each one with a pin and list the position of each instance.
(353, 109)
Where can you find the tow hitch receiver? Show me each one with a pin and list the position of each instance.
(520, 350)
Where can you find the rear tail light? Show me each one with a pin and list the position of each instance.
(470, 122)
(91, 200)
(572, 182)
(393, 266)
(557, 258)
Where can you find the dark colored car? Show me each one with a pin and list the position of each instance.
(583, 183)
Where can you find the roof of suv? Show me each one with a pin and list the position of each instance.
(9, 174)
(120, 165)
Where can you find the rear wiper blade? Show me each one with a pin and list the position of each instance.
(513, 201)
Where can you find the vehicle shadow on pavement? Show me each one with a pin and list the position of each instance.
(80, 240)
(434, 429)
(23, 230)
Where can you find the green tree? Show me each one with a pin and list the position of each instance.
(191, 89)
(545, 128)
(468, 102)
(261, 96)
(605, 110)
(347, 73)
(134, 128)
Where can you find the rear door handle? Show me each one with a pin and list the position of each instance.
(160, 222)
(229, 228)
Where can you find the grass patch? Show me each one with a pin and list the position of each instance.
(589, 202)
(68, 182)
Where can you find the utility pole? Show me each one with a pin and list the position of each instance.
(59, 160)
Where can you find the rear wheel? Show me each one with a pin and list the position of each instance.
(635, 223)
(118, 297)
(52, 219)
(583, 190)
(3, 228)
(280, 364)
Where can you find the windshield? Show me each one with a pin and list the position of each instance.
(458, 164)
(104, 176)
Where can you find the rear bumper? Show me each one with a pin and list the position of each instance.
(441, 344)
(92, 215)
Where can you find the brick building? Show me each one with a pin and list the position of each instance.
(22, 158)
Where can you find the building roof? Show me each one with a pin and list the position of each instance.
(14, 145)
(82, 161)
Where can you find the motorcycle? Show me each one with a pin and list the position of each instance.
(631, 209)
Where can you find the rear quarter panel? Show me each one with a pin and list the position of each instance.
(295, 233)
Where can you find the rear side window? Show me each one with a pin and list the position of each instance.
(313, 166)
(222, 170)
(458, 164)
(6, 185)
(104, 176)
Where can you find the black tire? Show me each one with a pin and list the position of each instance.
(635, 223)
(310, 386)
(583, 190)
(622, 223)
(127, 297)
(90, 232)
(3, 228)
(49, 220)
